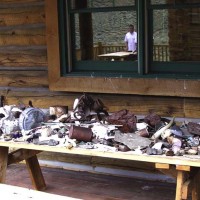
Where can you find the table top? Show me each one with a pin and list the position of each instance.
(130, 155)
(120, 54)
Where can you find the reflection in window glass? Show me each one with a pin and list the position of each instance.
(176, 35)
(160, 35)
(159, 1)
(102, 3)
(105, 33)
(174, 1)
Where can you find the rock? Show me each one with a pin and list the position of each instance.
(132, 140)
(193, 128)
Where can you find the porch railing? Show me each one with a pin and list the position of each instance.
(160, 52)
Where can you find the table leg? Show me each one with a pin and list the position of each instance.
(3, 163)
(35, 173)
(196, 186)
(179, 184)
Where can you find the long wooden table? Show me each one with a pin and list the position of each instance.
(184, 169)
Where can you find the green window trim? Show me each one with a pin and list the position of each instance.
(144, 67)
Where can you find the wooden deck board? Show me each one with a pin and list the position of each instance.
(88, 186)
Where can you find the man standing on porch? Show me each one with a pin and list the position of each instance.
(131, 39)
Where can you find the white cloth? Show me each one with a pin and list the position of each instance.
(131, 38)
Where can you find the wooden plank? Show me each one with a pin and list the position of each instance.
(53, 49)
(196, 186)
(20, 155)
(184, 88)
(183, 168)
(35, 173)
(3, 163)
(22, 15)
(186, 189)
(161, 166)
(29, 58)
(23, 78)
(10, 192)
(179, 185)
(39, 99)
(170, 106)
(21, 37)
(192, 107)
(175, 160)
(19, 1)
(139, 105)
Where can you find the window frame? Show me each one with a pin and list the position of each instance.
(96, 68)
(170, 67)
(139, 84)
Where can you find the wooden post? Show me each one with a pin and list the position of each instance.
(3, 163)
(35, 173)
(183, 182)
(100, 49)
(179, 184)
(196, 186)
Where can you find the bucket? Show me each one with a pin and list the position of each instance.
(80, 133)
(31, 118)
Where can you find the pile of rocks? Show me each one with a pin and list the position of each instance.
(90, 126)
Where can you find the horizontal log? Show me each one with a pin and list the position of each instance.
(22, 16)
(24, 79)
(192, 107)
(39, 101)
(19, 1)
(23, 58)
(140, 105)
(34, 36)
(161, 105)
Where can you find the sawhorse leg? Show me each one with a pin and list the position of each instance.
(35, 173)
(187, 182)
(196, 186)
(3, 163)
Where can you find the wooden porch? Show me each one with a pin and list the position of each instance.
(87, 186)
(160, 52)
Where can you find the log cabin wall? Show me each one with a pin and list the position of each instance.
(24, 68)
(24, 74)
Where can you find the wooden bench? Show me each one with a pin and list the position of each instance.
(184, 169)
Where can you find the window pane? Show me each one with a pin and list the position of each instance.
(159, 1)
(101, 3)
(176, 35)
(101, 33)
(174, 1)
(160, 35)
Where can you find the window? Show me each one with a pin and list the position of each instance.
(175, 32)
(95, 29)
(80, 31)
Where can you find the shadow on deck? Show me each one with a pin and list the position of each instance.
(88, 186)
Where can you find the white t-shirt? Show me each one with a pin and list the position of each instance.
(131, 38)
